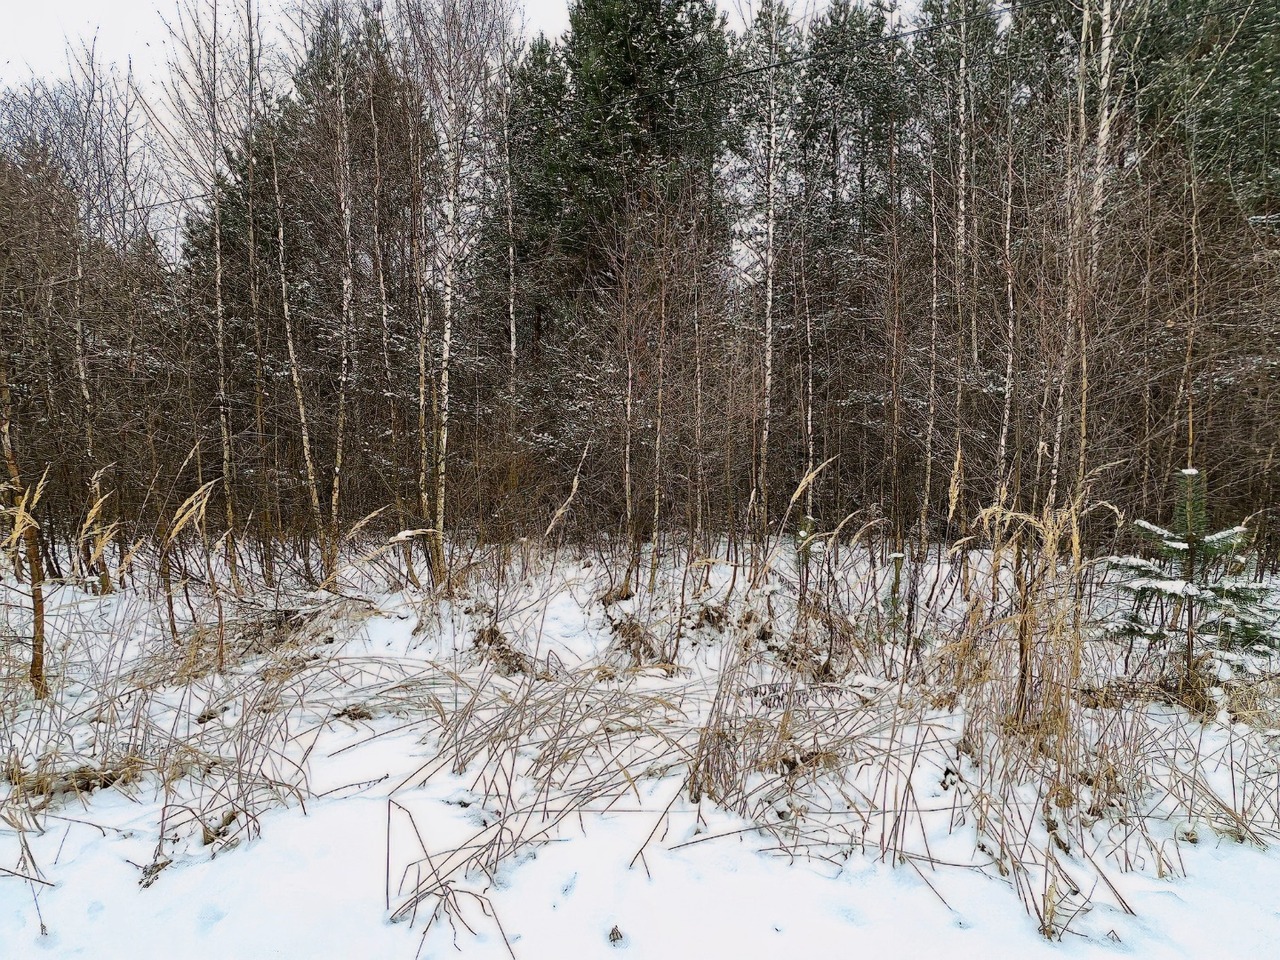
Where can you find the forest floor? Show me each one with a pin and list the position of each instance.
(731, 763)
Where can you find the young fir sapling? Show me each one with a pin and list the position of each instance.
(1199, 585)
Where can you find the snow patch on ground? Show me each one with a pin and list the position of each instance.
(362, 762)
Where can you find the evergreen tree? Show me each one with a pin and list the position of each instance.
(647, 110)
(850, 95)
(540, 182)
(1199, 583)
(1210, 76)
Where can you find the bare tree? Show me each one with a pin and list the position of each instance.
(457, 50)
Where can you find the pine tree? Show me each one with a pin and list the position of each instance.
(848, 99)
(647, 112)
(1210, 76)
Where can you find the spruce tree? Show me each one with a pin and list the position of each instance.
(1199, 583)
(540, 181)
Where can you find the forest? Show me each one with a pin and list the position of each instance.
(423, 266)
(916, 350)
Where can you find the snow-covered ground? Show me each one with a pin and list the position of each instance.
(526, 769)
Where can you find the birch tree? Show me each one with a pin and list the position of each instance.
(457, 51)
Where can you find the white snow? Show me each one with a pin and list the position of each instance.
(378, 766)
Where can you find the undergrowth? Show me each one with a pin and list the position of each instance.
(959, 710)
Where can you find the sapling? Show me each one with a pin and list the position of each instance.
(1198, 584)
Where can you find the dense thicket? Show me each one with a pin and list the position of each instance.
(992, 255)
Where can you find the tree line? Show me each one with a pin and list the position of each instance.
(403, 268)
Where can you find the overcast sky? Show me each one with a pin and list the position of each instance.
(33, 32)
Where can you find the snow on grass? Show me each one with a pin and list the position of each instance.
(704, 770)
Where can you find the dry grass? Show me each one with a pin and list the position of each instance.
(876, 709)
